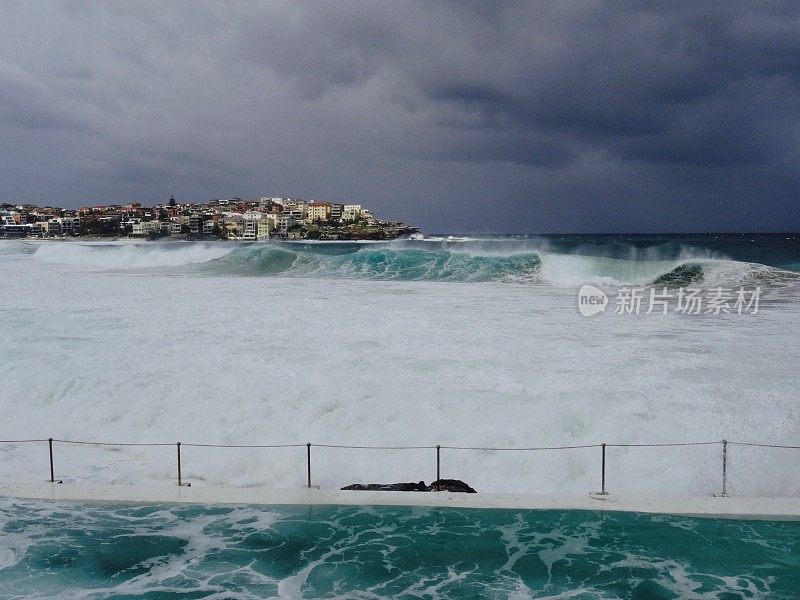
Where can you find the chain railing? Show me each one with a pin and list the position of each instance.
(438, 448)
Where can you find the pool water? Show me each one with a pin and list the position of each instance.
(92, 550)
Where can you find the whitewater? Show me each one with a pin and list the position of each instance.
(454, 341)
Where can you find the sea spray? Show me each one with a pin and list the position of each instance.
(473, 261)
(333, 345)
(130, 256)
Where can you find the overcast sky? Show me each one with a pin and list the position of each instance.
(455, 116)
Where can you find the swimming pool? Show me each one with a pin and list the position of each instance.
(98, 550)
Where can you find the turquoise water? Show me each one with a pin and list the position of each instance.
(167, 551)
(669, 260)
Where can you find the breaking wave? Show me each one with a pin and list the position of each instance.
(429, 261)
(406, 264)
(522, 266)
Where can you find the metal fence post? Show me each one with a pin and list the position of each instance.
(438, 467)
(180, 483)
(603, 491)
(50, 447)
(724, 467)
(308, 463)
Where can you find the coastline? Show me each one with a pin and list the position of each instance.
(745, 508)
(169, 239)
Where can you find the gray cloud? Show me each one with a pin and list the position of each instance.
(27, 103)
(560, 116)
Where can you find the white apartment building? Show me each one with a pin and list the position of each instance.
(232, 225)
(351, 212)
(257, 225)
(285, 220)
(249, 230)
(294, 205)
(271, 220)
(151, 227)
(250, 221)
(264, 227)
(195, 223)
(70, 224)
(137, 227)
(297, 213)
(319, 211)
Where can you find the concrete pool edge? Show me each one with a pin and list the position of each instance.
(773, 509)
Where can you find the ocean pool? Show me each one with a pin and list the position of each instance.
(93, 550)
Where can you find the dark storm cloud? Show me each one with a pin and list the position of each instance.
(26, 104)
(138, 164)
(484, 116)
(631, 78)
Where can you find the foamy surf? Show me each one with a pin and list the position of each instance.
(296, 552)
(130, 256)
(393, 343)
(435, 259)
(529, 266)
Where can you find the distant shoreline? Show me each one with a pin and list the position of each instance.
(169, 239)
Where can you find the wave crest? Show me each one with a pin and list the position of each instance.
(538, 267)
(382, 264)
(430, 262)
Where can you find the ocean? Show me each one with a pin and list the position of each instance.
(99, 551)
(468, 342)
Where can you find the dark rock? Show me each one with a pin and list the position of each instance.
(389, 487)
(450, 485)
(444, 485)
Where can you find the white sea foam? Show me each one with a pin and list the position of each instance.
(117, 256)
(574, 269)
(439, 238)
(92, 351)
